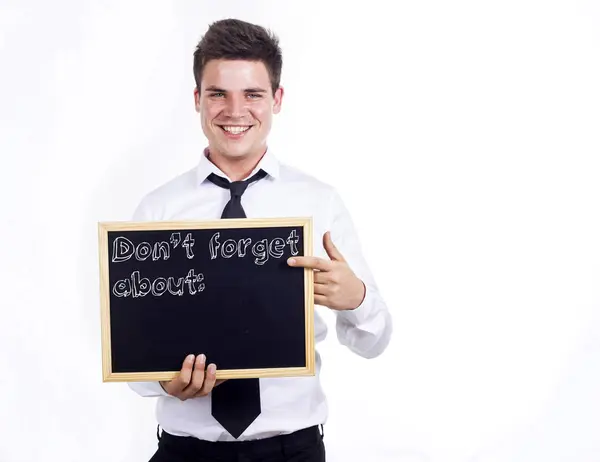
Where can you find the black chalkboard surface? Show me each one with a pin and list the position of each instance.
(220, 287)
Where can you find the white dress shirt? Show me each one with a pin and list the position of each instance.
(287, 404)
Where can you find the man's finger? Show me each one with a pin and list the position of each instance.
(321, 300)
(331, 249)
(322, 277)
(321, 289)
(198, 378)
(183, 379)
(311, 262)
(217, 383)
(209, 381)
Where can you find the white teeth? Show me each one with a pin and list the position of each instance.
(235, 130)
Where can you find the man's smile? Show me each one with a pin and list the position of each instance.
(235, 131)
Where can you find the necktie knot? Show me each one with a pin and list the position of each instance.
(234, 209)
(237, 188)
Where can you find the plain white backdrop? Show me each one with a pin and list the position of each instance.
(465, 139)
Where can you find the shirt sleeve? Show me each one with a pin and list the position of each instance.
(365, 330)
(143, 212)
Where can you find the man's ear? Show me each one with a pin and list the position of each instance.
(197, 99)
(277, 98)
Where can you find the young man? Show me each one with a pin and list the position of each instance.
(237, 67)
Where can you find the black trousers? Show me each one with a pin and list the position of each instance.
(302, 446)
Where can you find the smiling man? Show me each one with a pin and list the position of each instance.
(237, 69)
(236, 107)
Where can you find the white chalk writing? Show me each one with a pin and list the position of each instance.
(136, 286)
(262, 249)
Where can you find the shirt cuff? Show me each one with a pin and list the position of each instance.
(150, 389)
(359, 314)
(162, 389)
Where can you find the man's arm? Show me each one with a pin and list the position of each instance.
(346, 285)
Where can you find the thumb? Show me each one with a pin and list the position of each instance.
(331, 249)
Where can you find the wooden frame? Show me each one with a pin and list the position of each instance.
(103, 230)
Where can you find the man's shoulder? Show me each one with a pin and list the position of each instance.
(182, 183)
(292, 174)
(172, 189)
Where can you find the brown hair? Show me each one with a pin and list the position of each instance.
(239, 40)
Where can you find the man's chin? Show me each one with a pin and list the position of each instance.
(233, 152)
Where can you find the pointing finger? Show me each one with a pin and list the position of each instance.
(310, 262)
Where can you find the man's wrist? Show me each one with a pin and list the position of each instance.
(361, 297)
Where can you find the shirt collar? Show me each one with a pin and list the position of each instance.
(268, 163)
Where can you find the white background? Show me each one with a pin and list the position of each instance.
(464, 137)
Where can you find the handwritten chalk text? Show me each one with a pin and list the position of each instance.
(262, 249)
(124, 249)
(136, 286)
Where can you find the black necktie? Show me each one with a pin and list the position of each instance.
(233, 208)
(236, 402)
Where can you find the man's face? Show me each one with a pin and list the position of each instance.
(236, 106)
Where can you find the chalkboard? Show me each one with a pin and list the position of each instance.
(218, 287)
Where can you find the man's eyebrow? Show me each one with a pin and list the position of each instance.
(247, 90)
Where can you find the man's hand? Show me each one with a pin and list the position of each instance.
(336, 285)
(193, 381)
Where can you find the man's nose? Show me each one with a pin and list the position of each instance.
(236, 106)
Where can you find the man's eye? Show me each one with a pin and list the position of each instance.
(254, 95)
(218, 94)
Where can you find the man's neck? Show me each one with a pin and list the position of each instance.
(236, 169)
